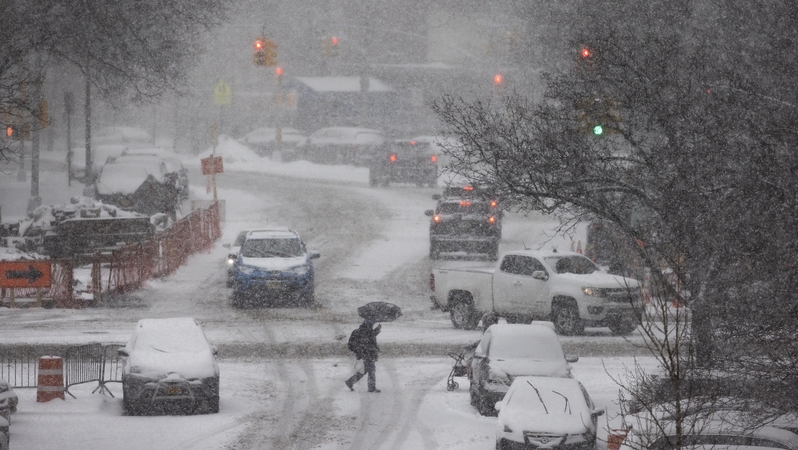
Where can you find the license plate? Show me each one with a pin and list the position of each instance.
(173, 390)
(274, 284)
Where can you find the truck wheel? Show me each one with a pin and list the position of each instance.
(622, 327)
(463, 315)
(566, 319)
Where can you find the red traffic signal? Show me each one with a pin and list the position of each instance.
(498, 79)
(586, 52)
(258, 45)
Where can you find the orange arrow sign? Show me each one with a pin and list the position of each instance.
(25, 274)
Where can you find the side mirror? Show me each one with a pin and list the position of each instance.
(597, 412)
(214, 350)
(540, 275)
(498, 406)
(314, 254)
(122, 352)
(436, 196)
(429, 212)
(571, 358)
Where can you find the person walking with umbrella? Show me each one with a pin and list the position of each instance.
(363, 342)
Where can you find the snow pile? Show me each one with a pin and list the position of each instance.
(240, 158)
(13, 254)
(47, 217)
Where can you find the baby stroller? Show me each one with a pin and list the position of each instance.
(461, 363)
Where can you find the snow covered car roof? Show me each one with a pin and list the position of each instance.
(159, 347)
(271, 233)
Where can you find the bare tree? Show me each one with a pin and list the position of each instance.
(695, 165)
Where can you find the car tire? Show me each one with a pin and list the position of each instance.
(214, 405)
(463, 315)
(567, 322)
(309, 297)
(372, 177)
(622, 327)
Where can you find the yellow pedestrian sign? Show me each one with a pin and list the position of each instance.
(223, 93)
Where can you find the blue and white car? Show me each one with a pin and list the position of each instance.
(273, 265)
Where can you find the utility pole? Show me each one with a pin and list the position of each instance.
(69, 105)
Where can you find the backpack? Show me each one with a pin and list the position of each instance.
(354, 340)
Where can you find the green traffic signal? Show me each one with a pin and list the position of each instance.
(598, 130)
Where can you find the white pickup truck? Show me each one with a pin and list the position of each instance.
(563, 287)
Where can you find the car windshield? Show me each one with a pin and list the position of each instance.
(572, 264)
(240, 239)
(511, 346)
(464, 207)
(272, 248)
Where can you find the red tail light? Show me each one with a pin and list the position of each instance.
(433, 158)
(436, 218)
(492, 219)
(465, 203)
(468, 188)
(493, 203)
(432, 282)
(412, 142)
(392, 158)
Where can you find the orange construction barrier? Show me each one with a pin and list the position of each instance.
(51, 379)
(615, 438)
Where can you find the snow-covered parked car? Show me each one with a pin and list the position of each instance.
(547, 413)
(264, 141)
(507, 351)
(8, 400)
(4, 433)
(273, 264)
(169, 367)
(342, 145)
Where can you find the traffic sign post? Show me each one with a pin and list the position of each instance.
(211, 166)
(25, 274)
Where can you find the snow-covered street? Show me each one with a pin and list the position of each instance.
(282, 369)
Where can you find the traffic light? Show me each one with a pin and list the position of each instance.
(330, 46)
(11, 132)
(498, 83)
(598, 116)
(265, 52)
(586, 58)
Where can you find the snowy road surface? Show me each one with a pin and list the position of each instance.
(282, 369)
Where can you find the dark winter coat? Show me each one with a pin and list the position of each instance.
(363, 342)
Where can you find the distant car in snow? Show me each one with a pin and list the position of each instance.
(169, 367)
(547, 413)
(342, 145)
(404, 161)
(264, 141)
(274, 264)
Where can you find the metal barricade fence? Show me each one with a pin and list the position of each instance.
(82, 364)
(19, 366)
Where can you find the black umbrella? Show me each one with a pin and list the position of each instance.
(379, 312)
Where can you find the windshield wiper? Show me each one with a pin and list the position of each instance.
(567, 403)
(541, 398)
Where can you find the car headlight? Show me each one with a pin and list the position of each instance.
(301, 270)
(498, 377)
(231, 259)
(592, 292)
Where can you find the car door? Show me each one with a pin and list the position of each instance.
(518, 289)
